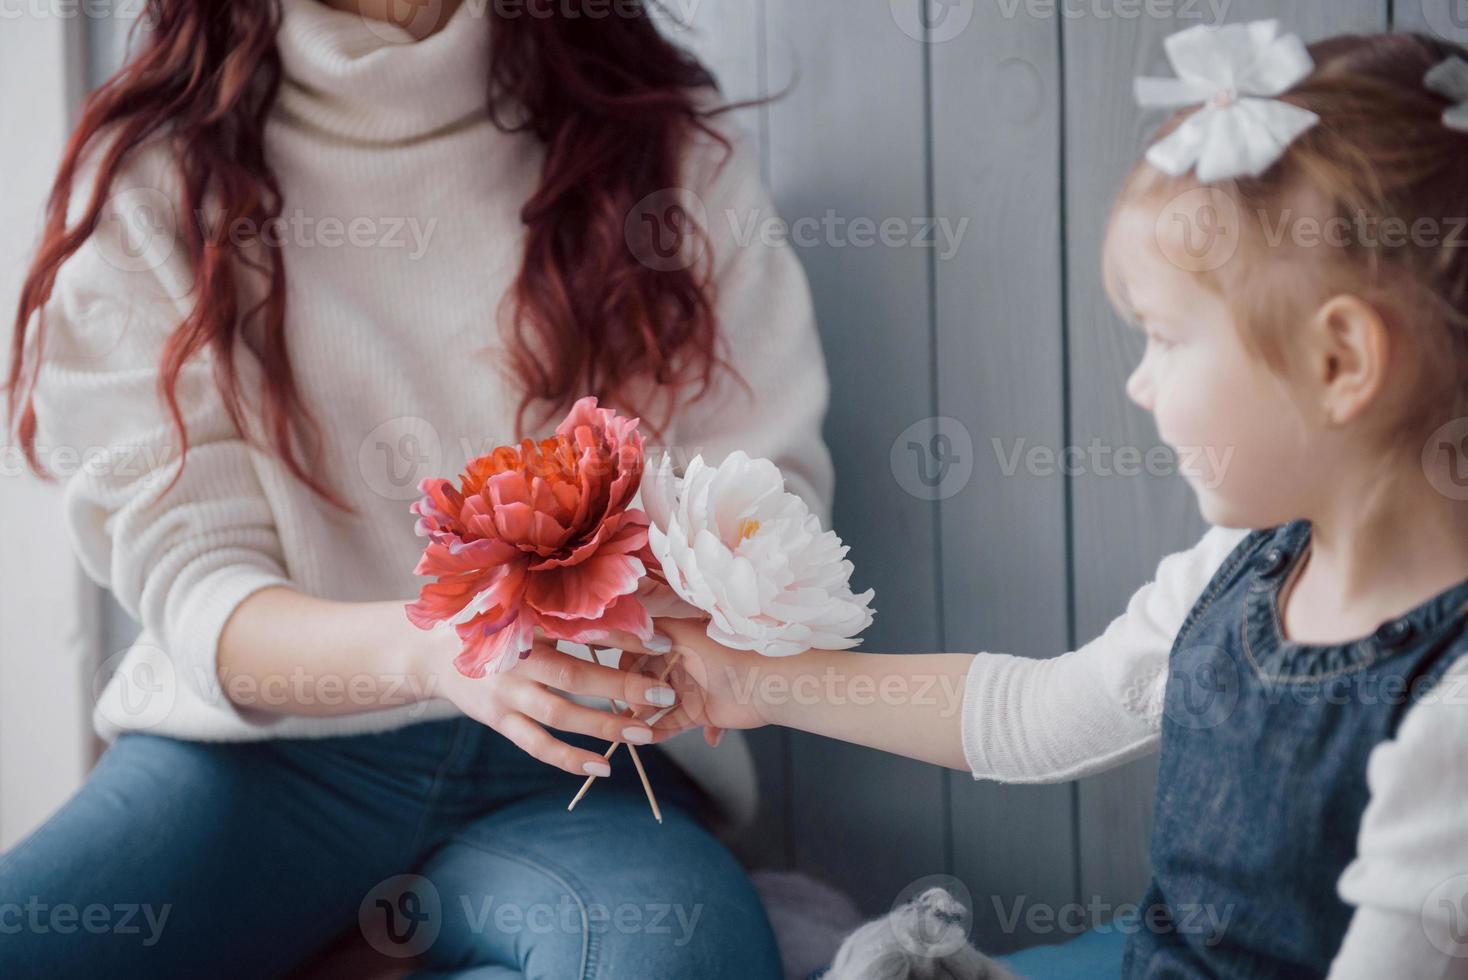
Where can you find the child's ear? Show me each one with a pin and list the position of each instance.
(1347, 354)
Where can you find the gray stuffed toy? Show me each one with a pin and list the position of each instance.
(926, 939)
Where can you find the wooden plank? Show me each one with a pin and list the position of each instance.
(1124, 525)
(849, 141)
(729, 39)
(996, 164)
(49, 609)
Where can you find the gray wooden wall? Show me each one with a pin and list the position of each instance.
(1020, 120)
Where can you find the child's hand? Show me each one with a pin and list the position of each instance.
(717, 687)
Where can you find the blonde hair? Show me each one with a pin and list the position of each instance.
(1380, 158)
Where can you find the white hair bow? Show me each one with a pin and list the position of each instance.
(1450, 79)
(1233, 72)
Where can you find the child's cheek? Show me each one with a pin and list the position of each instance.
(1198, 415)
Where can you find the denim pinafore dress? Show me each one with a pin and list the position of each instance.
(1262, 774)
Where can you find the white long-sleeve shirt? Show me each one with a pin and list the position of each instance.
(401, 235)
(1041, 721)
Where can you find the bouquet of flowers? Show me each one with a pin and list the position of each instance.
(543, 536)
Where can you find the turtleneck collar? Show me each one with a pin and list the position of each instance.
(371, 81)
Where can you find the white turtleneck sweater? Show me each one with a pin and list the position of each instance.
(401, 236)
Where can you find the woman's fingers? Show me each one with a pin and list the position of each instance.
(555, 711)
(567, 673)
(658, 645)
(540, 744)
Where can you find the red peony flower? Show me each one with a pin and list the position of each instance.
(537, 535)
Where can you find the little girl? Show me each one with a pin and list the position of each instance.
(1291, 250)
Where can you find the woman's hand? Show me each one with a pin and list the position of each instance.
(521, 704)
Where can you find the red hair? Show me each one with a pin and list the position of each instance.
(616, 106)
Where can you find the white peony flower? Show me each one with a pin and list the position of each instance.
(733, 543)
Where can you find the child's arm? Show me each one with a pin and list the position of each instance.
(1000, 717)
(1409, 879)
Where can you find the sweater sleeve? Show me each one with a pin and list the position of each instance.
(181, 562)
(1051, 720)
(767, 322)
(1409, 879)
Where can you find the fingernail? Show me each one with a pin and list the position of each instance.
(635, 734)
(663, 697)
(659, 643)
(597, 769)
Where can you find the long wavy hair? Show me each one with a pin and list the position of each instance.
(613, 102)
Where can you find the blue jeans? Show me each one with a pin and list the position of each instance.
(441, 841)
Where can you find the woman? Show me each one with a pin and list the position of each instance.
(297, 259)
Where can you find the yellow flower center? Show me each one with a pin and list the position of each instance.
(747, 527)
